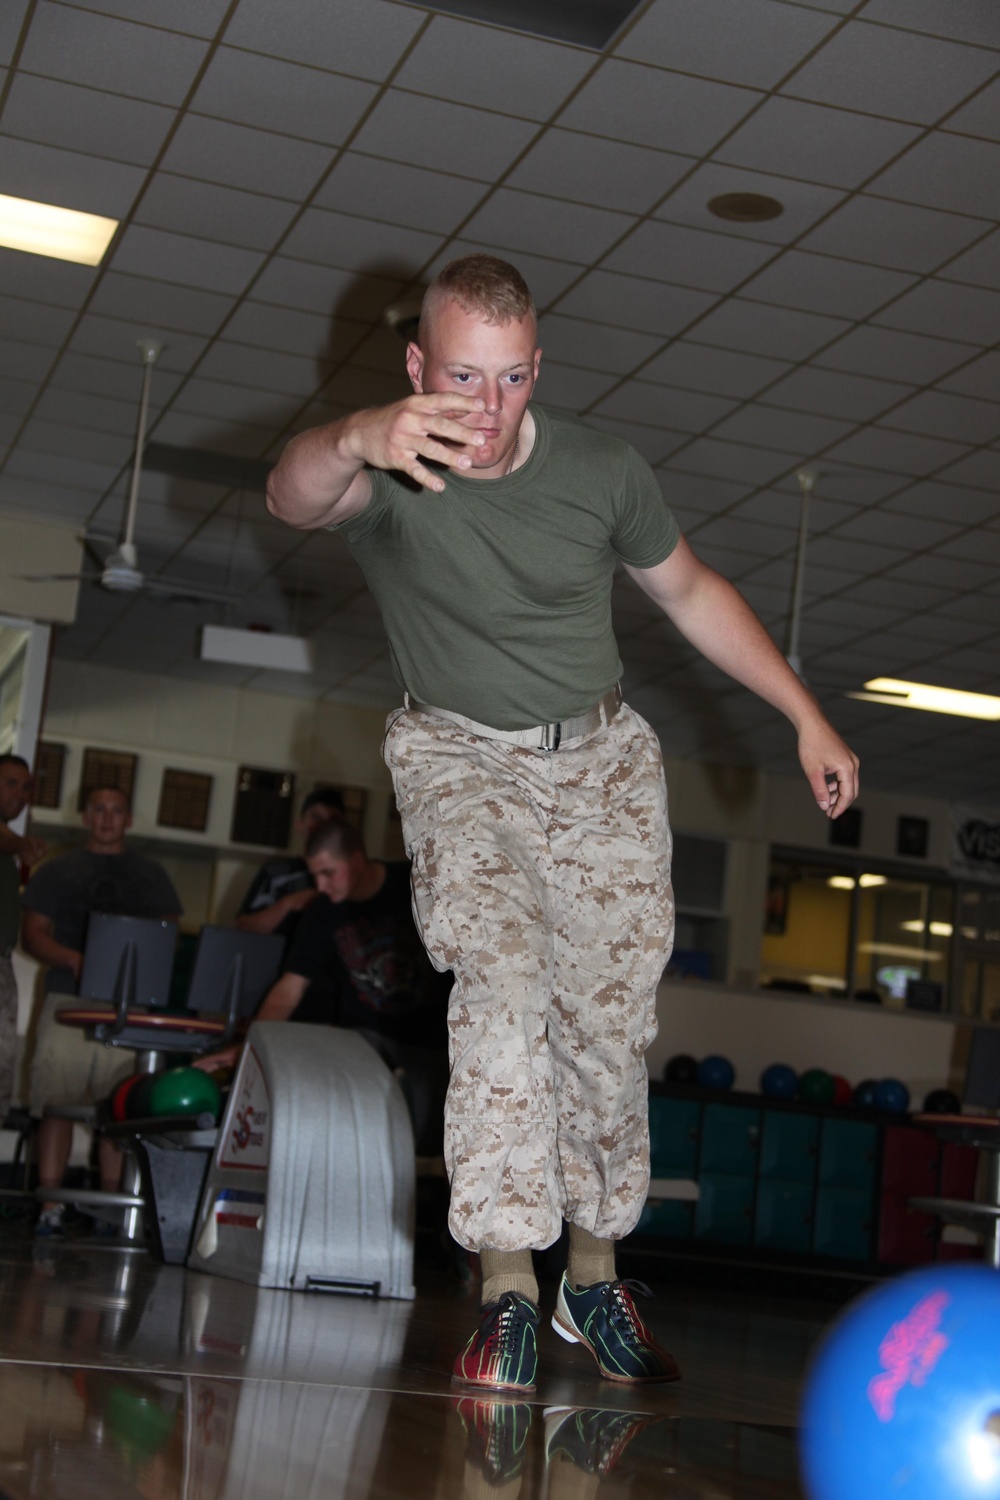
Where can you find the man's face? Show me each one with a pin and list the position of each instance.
(106, 817)
(336, 878)
(497, 362)
(15, 790)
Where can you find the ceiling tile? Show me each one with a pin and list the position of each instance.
(234, 403)
(199, 17)
(978, 609)
(527, 221)
(494, 69)
(898, 452)
(948, 502)
(595, 346)
(981, 116)
(85, 119)
(567, 164)
(104, 53)
(947, 310)
(359, 244)
(893, 234)
(158, 304)
(946, 171)
(239, 157)
(804, 202)
(731, 461)
(980, 469)
(963, 20)
(40, 279)
(681, 411)
(945, 628)
(775, 331)
(796, 432)
(565, 386)
(654, 443)
(885, 353)
(378, 189)
(688, 257)
(213, 212)
(754, 42)
(114, 338)
(896, 591)
(34, 322)
(433, 133)
(16, 396)
(293, 283)
(889, 72)
(24, 361)
(982, 546)
(945, 572)
(272, 95)
(980, 265)
(81, 409)
(890, 529)
(980, 377)
(315, 335)
(186, 261)
(366, 37)
(815, 143)
(648, 306)
(263, 369)
(721, 372)
(650, 107)
(777, 508)
(11, 20)
(87, 183)
(819, 283)
(745, 536)
(702, 492)
(943, 415)
(851, 397)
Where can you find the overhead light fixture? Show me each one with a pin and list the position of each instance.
(583, 23)
(841, 882)
(745, 208)
(936, 929)
(935, 700)
(866, 882)
(263, 649)
(62, 233)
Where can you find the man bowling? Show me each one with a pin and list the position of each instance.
(532, 796)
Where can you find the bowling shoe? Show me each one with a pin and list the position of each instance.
(498, 1433)
(501, 1354)
(50, 1223)
(604, 1319)
(592, 1439)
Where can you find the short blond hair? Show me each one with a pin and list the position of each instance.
(481, 284)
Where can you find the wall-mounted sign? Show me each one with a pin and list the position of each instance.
(975, 843)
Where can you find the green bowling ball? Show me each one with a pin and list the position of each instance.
(185, 1091)
(139, 1424)
(817, 1086)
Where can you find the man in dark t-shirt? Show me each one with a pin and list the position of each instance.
(283, 887)
(103, 876)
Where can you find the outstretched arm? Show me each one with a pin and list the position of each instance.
(320, 479)
(710, 613)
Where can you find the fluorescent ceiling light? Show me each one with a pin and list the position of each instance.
(867, 881)
(936, 929)
(262, 649)
(896, 950)
(841, 882)
(62, 233)
(935, 700)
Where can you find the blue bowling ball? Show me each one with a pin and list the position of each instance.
(864, 1094)
(902, 1399)
(715, 1072)
(892, 1096)
(779, 1081)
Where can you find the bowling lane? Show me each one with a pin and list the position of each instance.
(106, 1308)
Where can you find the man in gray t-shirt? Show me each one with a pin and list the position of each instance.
(103, 876)
(532, 798)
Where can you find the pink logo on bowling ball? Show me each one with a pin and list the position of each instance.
(908, 1353)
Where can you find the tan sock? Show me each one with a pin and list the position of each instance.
(508, 1271)
(590, 1259)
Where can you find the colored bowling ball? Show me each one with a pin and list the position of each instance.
(120, 1095)
(864, 1094)
(716, 1072)
(842, 1091)
(816, 1086)
(779, 1081)
(942, 1102)
(681, 1069)
(892, 1096)
(137, 1104)
(185, 1091)
(138, 1423)
(903, 1395)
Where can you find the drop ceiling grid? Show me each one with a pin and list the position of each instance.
(181, 401)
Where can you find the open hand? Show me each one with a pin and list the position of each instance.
(403, 436)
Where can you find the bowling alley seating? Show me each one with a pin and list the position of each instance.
(978, 1126)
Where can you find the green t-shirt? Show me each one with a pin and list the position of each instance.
(496, 594)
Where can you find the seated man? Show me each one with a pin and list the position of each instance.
(283, 887)
(15, 848)
(356, 961)
(67, 1069)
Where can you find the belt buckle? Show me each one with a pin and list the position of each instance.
(551, 735)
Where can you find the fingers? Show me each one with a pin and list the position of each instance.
(836, 789)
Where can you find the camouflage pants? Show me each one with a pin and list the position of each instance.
(543, 881)
(8, 1033)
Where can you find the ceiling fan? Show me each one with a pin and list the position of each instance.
(120, 572)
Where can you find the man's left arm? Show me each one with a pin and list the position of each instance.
(713, 615)
(23, 846)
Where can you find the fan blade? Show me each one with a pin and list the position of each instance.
(55, 577)
(158, 583)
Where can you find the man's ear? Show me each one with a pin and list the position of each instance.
(415, 367)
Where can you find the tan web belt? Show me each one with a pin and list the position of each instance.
(539, 736)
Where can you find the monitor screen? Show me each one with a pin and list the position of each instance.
(134, 955)
(226, 957)
(982, 1078)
